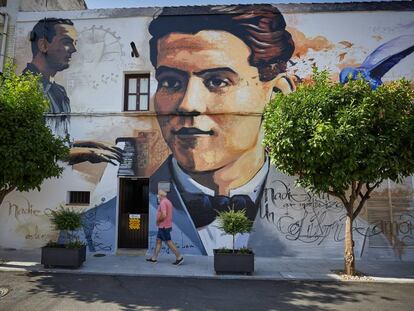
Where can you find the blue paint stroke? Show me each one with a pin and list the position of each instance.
(99, 226)
(379, 62)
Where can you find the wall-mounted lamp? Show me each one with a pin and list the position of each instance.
(134, 52)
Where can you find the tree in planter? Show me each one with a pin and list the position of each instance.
(343, 140)
(28, 150)
(73, 252)
(234, 222)
(67, 221)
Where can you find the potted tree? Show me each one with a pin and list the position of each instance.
(234, 260)
(71, 253)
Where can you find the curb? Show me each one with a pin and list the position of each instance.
(330, 277)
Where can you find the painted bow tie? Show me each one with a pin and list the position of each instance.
(203, 208)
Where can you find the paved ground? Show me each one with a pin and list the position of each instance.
(51, 291)
(202, 267)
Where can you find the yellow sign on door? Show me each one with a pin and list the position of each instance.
(134, 221)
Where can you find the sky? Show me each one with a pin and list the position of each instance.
(97, 4)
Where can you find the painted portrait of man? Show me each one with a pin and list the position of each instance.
(215, 75)
(200, 135)
(53, 41)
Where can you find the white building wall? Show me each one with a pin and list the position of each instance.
(95, 84)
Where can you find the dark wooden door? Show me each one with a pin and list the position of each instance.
(133, 213)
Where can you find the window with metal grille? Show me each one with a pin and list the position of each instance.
(79, 197)
(136, 96)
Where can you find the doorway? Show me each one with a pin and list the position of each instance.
(133, 213)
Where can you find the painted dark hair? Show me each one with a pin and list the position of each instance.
(261, 27)
(45, 28)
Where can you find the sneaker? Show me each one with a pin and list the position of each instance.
(151, 260)
(178, 261)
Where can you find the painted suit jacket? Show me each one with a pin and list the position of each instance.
(290, 222)
(56, 93)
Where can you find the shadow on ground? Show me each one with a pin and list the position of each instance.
(153, 293)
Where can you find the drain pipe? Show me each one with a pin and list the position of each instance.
(3, 40)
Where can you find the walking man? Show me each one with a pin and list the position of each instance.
(164, 224)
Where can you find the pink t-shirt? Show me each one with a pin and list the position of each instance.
(166, 208)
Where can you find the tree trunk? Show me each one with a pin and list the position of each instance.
(349, 247)
(233, 242)
(4, 192)
(2, 196)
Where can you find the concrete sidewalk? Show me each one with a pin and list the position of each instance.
(134, 264)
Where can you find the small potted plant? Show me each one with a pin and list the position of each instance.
(234, 260)
(72, 253)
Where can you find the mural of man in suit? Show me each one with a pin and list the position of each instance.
(215, 73)
(53, 41)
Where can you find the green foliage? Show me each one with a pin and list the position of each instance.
(343, 140)
(331, 135)
(224, 250)
(28, 150)
(66, 219)
(53, 244)
(75, 244)
(72, 244)
(234, 222)
(243, 250)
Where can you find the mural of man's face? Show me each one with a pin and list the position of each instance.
(60, 50)
(209, 98)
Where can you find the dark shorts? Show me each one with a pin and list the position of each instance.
(164, 234)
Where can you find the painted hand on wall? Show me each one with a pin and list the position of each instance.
(94, 152)
(285, 83)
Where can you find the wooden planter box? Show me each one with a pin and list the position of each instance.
(63, 257)
(233, 263)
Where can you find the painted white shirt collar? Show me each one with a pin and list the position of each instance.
(211, 236)
(252, 188)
